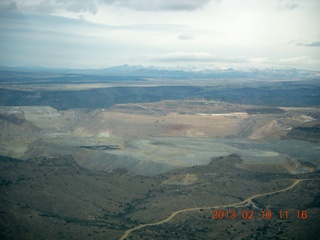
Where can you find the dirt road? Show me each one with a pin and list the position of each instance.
(239, 204)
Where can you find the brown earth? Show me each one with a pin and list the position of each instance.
(138, 125)
(262, 131)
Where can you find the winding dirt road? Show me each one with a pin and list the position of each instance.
(246, 201)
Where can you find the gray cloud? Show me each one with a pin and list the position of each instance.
(288, 4)
(79, 5)
(90, 6)
(185, 37)
(8, 6)
(311, 44)
(198, 57)
(159, 5)
(50, 6)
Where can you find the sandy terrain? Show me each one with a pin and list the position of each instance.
(262, 131)
(157, 137)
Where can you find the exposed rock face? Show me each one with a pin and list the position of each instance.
(262, 131)
(13, 124)
(185, 179)
(196, 130)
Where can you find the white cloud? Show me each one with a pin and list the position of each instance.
(259, 60)
(302, 62)
(198, 57)
(186, 56)
(164, 32)
(159, 5)
(304, 59)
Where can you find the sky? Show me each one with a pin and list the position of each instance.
(193, 34)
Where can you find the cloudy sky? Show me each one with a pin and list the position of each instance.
(166, 33)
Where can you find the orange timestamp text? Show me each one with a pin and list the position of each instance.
(251, 214)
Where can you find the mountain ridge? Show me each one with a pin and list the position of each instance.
(160, 72)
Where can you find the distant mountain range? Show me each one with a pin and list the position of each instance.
(157, 72)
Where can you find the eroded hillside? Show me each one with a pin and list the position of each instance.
(155, 137)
